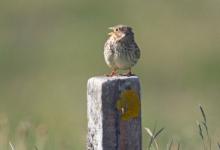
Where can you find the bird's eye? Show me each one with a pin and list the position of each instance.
(116, 29)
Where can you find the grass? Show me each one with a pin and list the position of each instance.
(153, 135)
(203, 132)
(25, 137)
(28, 136)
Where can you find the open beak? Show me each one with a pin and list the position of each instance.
(110, 33)
(111, 28)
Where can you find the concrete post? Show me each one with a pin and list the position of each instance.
(114, 113)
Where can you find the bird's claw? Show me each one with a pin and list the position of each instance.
(128, 74)
(113, 73)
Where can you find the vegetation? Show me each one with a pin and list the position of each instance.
(203, 131)
(26, 136)
(30, 137)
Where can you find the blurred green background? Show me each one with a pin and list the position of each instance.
(48, 50)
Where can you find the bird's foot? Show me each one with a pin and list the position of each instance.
(113, 73)
(128, 74)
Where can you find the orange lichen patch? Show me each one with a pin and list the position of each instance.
(128, 104)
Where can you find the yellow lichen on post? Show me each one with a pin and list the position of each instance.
(128, 104)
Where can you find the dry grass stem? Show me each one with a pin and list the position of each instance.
(153, 137)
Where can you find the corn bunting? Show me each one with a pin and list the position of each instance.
(120, 50)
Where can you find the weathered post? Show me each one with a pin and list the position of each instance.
(114, 113)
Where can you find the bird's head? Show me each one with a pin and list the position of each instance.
(121, 31)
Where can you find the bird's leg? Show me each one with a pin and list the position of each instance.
(113, 73)
(129, 73)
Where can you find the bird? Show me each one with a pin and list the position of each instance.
(120, 50)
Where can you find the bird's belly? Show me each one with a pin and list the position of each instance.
(117, 56)
(123, 60)
(109, 59)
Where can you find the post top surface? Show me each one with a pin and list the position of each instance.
(105, 78)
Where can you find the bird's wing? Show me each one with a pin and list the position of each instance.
(134, 47)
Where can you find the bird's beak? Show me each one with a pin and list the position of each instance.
(110, 33)
(111, 28)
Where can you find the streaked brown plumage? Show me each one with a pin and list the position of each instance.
(120, 50)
